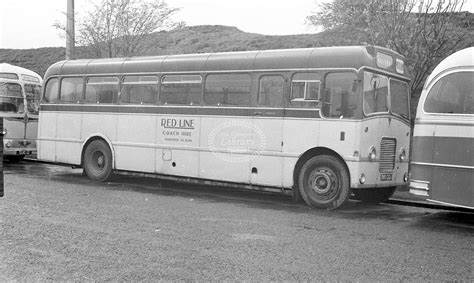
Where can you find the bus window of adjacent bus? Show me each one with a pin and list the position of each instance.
(271, 90)
(227, 90)
(9, 76)
(139, 90)
(51, 93)
(305, 88)
(452, 94)
(71, 90)
(28, 78)
(375, 93)
(340, 97)
(102, 90)
(181, 89)
(33, 93)
(399, 98)
(11, 98)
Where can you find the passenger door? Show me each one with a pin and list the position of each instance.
(267, 130)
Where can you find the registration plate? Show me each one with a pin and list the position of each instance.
(386, 177)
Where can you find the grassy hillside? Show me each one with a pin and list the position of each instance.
(202, 39)
(37, 60)
(196, 39)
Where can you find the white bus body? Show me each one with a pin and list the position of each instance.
(19, 87)
(273, 120)
(442, 165)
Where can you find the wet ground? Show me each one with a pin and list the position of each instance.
(58, 225)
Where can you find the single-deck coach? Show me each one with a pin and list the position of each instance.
(320, 122)
(20, 91)
(442, 165)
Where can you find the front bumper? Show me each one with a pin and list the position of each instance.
(19, 147)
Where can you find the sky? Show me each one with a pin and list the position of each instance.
(29, 23)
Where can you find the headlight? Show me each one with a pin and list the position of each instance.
(3, 132)
(402, 154)
(372, 153)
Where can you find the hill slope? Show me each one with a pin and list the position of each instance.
(203, 39)
(195, 39)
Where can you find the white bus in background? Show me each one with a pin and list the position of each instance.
(442, 165)
(20, 91)
(320, 122)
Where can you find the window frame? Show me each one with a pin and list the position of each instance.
(81, 100)
(22, 90)
(250, 94)
(390, 79)
(58, 81)
(387, 78)
(9, 76)
(433, 83)
(122, 83)
(358, 92)
(30, 102)
(18, 101)
(86, 82)
(284, 90)
(306, 86)
(310, 103)
(162, 82)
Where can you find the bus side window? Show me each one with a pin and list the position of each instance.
(139, 90)
(271, 90)
(452, 94)
(71, 90)
(51, 93)
(340, 97)
(375, 93)
(101, 90)
(11, 97)
(181, 89)
(33, 95)
(227, 90)
(305, 90)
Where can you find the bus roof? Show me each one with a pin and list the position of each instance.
(11, 69)
(461, 59)
(324, 57)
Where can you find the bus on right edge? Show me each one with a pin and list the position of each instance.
(442, 164)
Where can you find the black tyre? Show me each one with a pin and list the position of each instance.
(324, 182)
(15, 158)
(97, 161)
(374, 195)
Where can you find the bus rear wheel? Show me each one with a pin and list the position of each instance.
(375, 195)
(15, 158)
(324, 182)
(98, 161)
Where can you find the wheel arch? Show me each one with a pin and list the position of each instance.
(97, 136)
(315, 151)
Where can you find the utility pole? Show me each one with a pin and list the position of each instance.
(70, 37)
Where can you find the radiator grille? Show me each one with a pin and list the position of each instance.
(387, 154)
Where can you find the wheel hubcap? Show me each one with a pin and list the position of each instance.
(323, 182)
(98, 160)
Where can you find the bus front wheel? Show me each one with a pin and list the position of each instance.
(374, 195)
(98, 161)
(324, 182)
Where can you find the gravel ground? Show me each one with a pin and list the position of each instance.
(57, 225)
